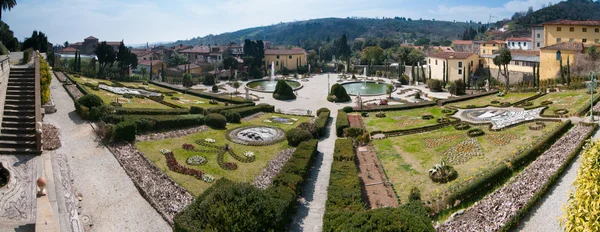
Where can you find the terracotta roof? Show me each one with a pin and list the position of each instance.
(574, 22)
(183, 67)
(462, 42)
(141, 52)
(77, 44)
(524, 39)
(442, 48)
(452, 55)
(493, 42)
(517, 52)
(91, 37)
(198, 49)
(294, 51)
(147, 62)
(571, 46)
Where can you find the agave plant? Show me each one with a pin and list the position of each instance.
(442, 172)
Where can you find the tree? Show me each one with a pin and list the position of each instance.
(66, 44)
(126, 58)
(177, 59)
(444, 73)
(7, 5)
(372, 54)
(236, 85)
(105, 54)
(502, 60)
(562, 71)
(144, 71)
(231, 64)
(568, 71)
(163, 74)
(37, 41)
(342, 49)
(186, 80)
(535, 84)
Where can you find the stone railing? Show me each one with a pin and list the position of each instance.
(4, 74)
(38, 101)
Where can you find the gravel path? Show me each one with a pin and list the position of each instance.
(110, 198)
(544, 217)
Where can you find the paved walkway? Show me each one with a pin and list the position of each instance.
(110, 200)
(544, 217)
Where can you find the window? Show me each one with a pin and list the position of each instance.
(584, 29)
(483, 51)
(144, 58)
(524, 44)
(597, 30)
(538, 35)
(435, 62)
(584, 40)
(460, 72)
(538, 45)
(277, 62)
(429, 62)
(471, 63)
(460, 64)
(558, 40)
(558, 29)
(278, 57)
(290, 57)
(519, 44)
(571, 40)
(494, 45)
(597, 41)
(571, 29)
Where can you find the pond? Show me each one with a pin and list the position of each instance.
(365, 88)
(269, 85)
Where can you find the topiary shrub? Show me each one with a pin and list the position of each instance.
(434, 85)
(90, 100)
(462, 126)
(283, 91)
(495, 102)
(97, 113)
(505, 104)
(215, 121)
(427, 117)
(215, 88)
(415, 194)
(310, 127)
(545, 103)
(347, 109)
(442, 120)
(321, 110)
(340, 94)
(209, 80)
(125, 131)
(295, 136)
(196, 110)
(232, 117)
(128, 96)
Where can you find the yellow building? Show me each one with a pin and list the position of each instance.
(586, 32)
(550, 57)
(288, 58)
(491, 47)
(456, 63)
(145, 64)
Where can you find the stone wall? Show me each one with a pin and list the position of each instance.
(515, 77)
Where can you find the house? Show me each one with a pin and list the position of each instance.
(90, 43)
(491, 47)
(144, 54)
(586, 32)
(466, 46)
(520, 67)
(145, 64)
(199, 54)
(537, 36)
(550, 57)
(519, 43)
(190, 68)
(455, 62)
(285, 58)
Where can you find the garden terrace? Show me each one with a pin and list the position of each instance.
(246, 172)
(405, 119)
(176, 98)
(494, 100)
(408, 159)
(571, 100)
(503, 208)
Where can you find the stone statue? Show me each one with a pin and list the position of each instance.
(487, 85)
(247, 93)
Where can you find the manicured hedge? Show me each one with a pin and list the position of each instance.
(464, 98)
(396, 107)
(230, 206)
(202, 94)
(230, 107)
(341, 123)
(125, 131)
(501, 172)
(215, 121)
(295, 136)
(146, 123)
(321, 123)
(121, 110)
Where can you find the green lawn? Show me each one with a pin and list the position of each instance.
(108, 97)
(245, 172)
(404, 119)
(571, 100)
(407, 159)
(487, 100)
(177, 98)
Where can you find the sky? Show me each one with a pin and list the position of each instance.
(138, 22)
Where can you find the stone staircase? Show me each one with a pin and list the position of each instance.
(17, 135)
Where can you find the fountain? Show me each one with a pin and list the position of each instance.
(364, 84)
(365, 72)
(272, 70)
(256, 135)
(365, 88)
(268, 85)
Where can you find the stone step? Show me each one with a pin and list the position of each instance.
(18, 137)
(20, 101)
(20, 96)
(20, 151)
(14, 118)
(22, 75)
(21, 80)
(18, 129)
(19, 107)
(19, 112)
(20, 91)
(21, 87)
(22, 71)
(17, 144)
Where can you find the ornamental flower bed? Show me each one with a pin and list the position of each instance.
(500, 139)
(439, 141)
(463, 152)
(208, 178)
(176, 167)
(196, 160)
(475, 132)
(187, 146)
(497, 210)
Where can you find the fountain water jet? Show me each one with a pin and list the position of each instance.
(272, 70)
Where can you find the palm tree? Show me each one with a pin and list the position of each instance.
(7, 5)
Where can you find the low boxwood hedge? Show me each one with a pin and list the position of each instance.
(121, 110)
(203, 94)
(321, 123)
(341, 123)
(147, 123)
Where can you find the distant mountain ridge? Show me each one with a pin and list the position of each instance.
(295, 33)
(571, 9)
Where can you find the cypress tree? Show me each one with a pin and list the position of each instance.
(164, 78)
(150, 76)
(534, 76)
(538, 74)
(79, 63)
(423, 74)
(412, 72)
(568, 71)
(464, 80)
(429, 72)
(562, 73)
(447, 72)
(444, 73)
(469, 77)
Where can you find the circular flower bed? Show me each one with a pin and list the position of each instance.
(249, 154)
(495, 102)
(475, 132)
(545, 103)
(256, 135)
(196, 160)
(229, 166)
(537, 126)
(505, 104)
(442, 120)
(462, 126)
(427, 117)
(561, 111)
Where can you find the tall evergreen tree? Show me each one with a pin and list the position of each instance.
(534, 77)
(150, 76)
(444, 73)
(464, 80)
(163, 73)
(562, 72)
(412, 73)
(568, 71)
(429, 72)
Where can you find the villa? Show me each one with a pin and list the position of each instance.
(286, 58)
(455, 62)
(89, 44)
